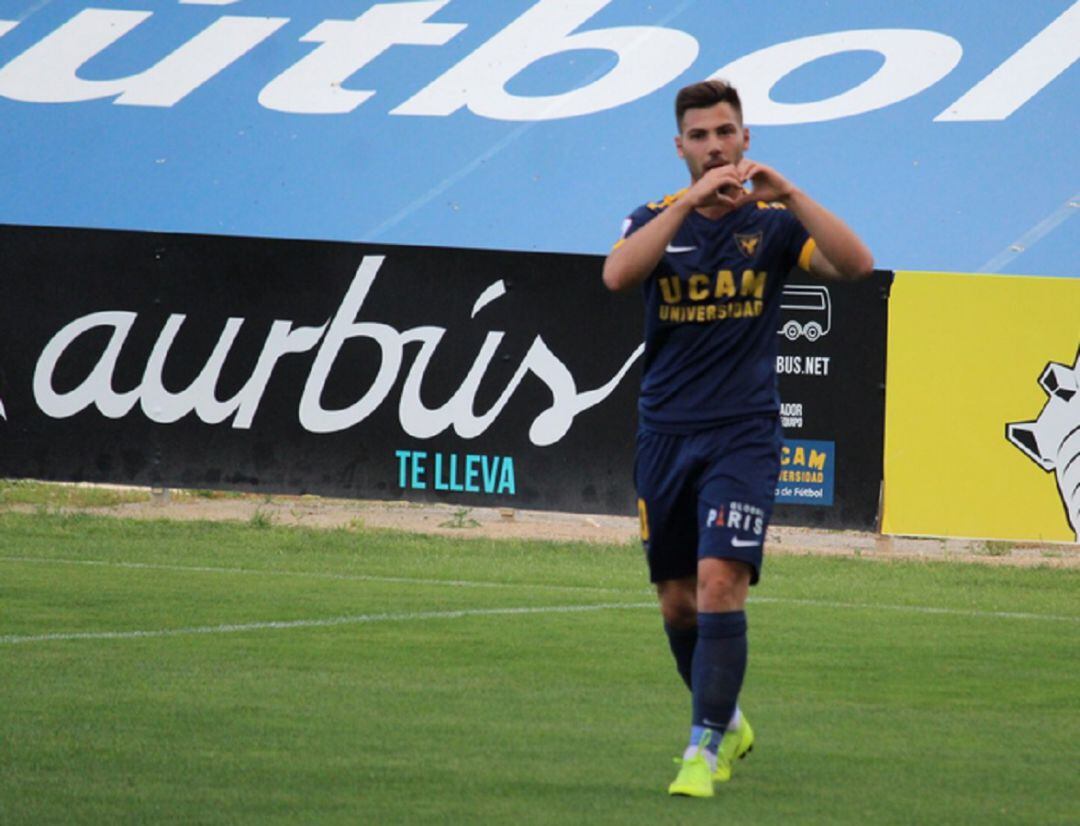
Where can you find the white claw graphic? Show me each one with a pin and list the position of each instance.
(1052, 440)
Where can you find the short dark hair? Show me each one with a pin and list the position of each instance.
(705, 94)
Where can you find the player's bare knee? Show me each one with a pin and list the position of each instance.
(682, 616)
(722, 585)
(678, 603)
(717, 594)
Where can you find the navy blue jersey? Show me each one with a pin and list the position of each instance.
(711, 313)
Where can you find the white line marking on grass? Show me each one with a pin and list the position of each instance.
(401, 580)
(914, 609)
(462, 583)
(331, 622)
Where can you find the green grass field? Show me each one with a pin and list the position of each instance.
(215, 673)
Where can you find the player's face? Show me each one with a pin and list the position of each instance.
(711, 137)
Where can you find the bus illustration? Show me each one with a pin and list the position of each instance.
(806, 311)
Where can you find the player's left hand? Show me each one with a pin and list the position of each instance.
(768, 184)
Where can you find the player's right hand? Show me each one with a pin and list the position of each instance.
(719, 186)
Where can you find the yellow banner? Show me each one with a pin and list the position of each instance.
(982, 413)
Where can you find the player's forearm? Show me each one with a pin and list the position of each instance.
(835, 239)
(632, 261)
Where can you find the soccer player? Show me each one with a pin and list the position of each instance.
(712, 260)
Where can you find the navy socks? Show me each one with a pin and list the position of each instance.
(719, 663)
(682, 642)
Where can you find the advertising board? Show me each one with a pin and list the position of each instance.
(466, 376)
(983, 413)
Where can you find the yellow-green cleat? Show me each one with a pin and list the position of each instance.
(735, 746)
(695, 778)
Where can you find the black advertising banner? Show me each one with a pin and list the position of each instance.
(374, 371)
(832, 387)
(338, 369)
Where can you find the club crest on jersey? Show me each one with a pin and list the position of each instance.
(748, 243)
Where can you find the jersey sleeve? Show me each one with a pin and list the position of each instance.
(633, 222)
(799, 246)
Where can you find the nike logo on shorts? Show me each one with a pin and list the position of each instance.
(744, 543)
(677, 250)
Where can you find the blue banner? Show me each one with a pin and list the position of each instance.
(944, 133)
(807, 471)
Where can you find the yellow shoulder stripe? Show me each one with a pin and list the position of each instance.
(666, 201)
(807, 252)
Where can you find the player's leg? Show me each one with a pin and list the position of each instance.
(720, 661)
(666, 507)
(716, 666)
(736, 492)
(667, 504)
(678, 607)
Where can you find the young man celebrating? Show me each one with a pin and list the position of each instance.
(712, 260)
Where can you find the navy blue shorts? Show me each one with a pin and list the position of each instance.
(706, 494)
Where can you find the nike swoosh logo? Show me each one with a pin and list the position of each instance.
(677, 250)
(744, 543)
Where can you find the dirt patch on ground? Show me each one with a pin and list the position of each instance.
(503, 523)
